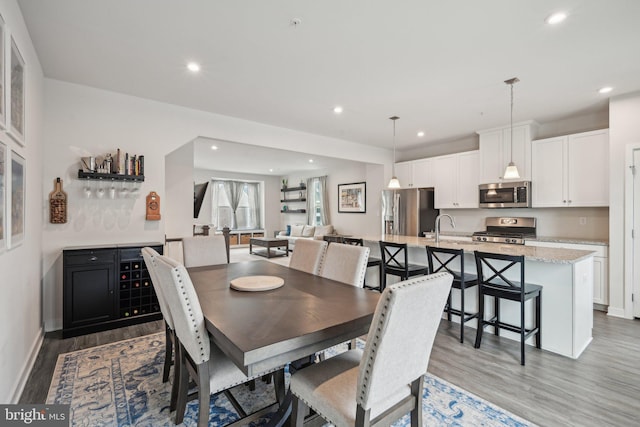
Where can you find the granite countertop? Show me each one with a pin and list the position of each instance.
(575, 240)
(531, 253)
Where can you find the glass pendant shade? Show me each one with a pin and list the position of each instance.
(394, 183)
(511, 172)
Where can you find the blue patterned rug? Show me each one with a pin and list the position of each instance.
(120, 385)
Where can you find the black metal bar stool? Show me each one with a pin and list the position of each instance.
(395, 261)
(492, 281)
(372, 262)
(444, 259)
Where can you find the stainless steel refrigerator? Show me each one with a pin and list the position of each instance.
(408, 212)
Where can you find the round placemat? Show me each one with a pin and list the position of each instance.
(256, 283)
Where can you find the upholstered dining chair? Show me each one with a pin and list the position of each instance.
(307, 255)
(205, 250)
(149, 259)
(345, 263)
(205, 363)
(386, 380)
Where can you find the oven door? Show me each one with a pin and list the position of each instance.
(505, 195)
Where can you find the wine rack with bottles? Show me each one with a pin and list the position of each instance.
(136, 296)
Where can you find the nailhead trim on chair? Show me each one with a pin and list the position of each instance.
(374, 345)
(363, 271)
(193, 320)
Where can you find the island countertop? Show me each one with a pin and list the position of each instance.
(531, 253)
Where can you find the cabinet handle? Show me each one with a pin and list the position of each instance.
(93, 258)
(564, 201)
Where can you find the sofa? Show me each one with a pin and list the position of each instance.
(316, 232)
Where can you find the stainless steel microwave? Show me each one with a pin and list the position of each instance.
(505, 195)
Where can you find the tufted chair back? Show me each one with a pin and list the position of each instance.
(201, 251)
(308, 255)
(149, 256)
(345, 263)
(184, 306)
(401, 336)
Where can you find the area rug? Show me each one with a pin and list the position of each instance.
(120, 384)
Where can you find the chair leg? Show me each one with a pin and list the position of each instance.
(522, 332)
(480, 319)
(204, 394)
(279, 386)
(298, 411)
(168, 354)
(539, 320)
(183, 387)
(496, 304)
(383, 279)
(449, 307)
(416, 412)
(178, 372)
(462, 315)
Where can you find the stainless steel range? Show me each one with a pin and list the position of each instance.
(512, 230)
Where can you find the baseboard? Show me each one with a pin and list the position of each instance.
(28, 366)
(616, 312)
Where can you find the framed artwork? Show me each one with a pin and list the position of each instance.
(16, 91)
(3, 207)
(352, 198)
(18, 186)
(3, 114)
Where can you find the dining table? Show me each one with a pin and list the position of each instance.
(264, 330)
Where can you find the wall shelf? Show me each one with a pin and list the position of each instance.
(294, 211)
(109, 176)
(287, 189)
(293, 200)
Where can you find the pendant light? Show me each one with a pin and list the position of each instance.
(394, 183)
(511, 172)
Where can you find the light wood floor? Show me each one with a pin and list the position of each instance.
(602, 388)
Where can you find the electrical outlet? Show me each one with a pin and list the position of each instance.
(583, 220)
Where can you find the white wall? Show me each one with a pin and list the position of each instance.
(356, 224)
(624, 129)
(21, 266)
(178, 169)
(271, 196)
(82, 120)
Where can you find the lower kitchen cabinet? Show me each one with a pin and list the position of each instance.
(106, 288)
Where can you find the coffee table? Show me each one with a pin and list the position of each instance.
(269, 243)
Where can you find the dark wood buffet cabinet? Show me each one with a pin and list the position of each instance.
(106, 287)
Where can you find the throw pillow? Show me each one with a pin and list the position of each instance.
(323, 230)
(296, 230)
(288, 231)
(308, 231)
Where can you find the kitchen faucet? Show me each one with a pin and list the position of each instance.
(453, 224)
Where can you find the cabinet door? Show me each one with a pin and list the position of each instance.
(588, 169)
(548, 171)
(89, 294)
(404, 172)
(445, 173)
(467, 191)
(491, 163)
(600, 280)
(423, 173)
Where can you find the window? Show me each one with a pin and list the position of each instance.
(317, 201)
(236, 204)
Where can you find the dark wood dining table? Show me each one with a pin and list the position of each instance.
(263, 330)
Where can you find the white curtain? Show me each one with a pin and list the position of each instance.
(317, 201)
(235, 204)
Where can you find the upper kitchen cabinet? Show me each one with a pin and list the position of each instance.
(571, 170)
(456, 180)
(415, 173)
(495, 151)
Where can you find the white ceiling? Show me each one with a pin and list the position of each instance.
(439, 65)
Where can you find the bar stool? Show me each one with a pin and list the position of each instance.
(492, 281)
(395, 261)
(443, 260)
(373, 262)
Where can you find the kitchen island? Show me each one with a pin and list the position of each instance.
(566, 276)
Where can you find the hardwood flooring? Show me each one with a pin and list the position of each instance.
(601, 388)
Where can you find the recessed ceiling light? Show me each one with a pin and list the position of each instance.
(310, 160)
(556, 18)
(214, 147)
(337, 109)
(605, 89)
(193, 67)
(420, 134)
(270, 170)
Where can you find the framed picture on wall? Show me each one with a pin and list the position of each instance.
(18, 187)
(3, 121)
(352, 198)
(16, 90)
(3, 207)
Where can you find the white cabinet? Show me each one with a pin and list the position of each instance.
(456, 180)
(571, 170)
(600, 266)
(495, 151)
(415, 173)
